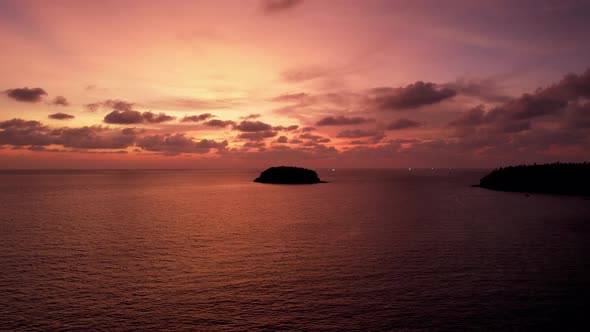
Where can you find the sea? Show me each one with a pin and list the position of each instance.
(209, 250)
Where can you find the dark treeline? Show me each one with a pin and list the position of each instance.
(556, 178)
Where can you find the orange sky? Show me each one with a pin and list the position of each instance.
(189, 84)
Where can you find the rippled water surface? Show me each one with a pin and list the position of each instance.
(210, 250)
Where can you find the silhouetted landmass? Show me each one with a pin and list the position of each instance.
(288, 175)
(557, 178)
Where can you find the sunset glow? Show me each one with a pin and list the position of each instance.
(191, 84)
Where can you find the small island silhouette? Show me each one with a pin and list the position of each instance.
(557, 178)
(288, 175)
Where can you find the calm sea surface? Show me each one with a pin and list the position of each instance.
(210, 250)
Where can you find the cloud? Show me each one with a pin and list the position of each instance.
(257, 135)
(387, 151)
(326, 104)
(530, 106)
(303, 74)
(276, 6)
(134, 117)
(571, 87)
(473, 117)
(252, 126)
(123, 117)
(18, 132)
(410, 96)
(192, 103)
(254, 145)
(60, 116)
(542, 124)
(60, 101)
(284, 154)
(372, 140)
(403, 124)
(314, 138)
(219, 123)
(39, 148)
(578, 116)
(114, 104)
(32, 95)
(156, 118)
(250, 116)
(553, 104)
(197, 118)
(173, 144)
(93, 107)
(356, 133)
(486, 90)
(20, 123)
(290, 97)
(547, 122)
(551, 101)
(342, 121)
(118, 105)
(95, 137)
(512, 127)
(288, 128)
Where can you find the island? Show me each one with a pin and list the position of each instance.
(556, 178)
(288, 175)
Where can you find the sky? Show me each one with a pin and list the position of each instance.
(324, 83)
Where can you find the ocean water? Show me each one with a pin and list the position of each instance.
(210, 250)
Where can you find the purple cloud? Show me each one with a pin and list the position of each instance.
(28, 95)
(403, 124)
(61, 116)
(342, 121)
